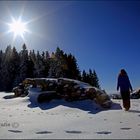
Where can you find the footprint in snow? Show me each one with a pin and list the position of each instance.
(15, 131)
(52, 114)
(44, 132)
(73, 132)
(125, 128)
(104, 132)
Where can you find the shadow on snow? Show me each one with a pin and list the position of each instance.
(86, 105)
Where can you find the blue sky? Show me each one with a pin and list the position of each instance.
(103, 35)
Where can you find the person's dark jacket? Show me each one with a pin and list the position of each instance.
(124, 83)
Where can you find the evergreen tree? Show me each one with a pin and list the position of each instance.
(39, 66)
(1, 58)
(14, 66)
(73, 70)
(47, 55)
(32, 56)
(91, 78)
(23, 67)
(46, 62)
(5, 71)
(52, 68)
(96, 79)
(84, 76)
(30, 70)
(58, 65)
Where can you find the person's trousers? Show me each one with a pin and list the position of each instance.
(126, 104)
(126, 99)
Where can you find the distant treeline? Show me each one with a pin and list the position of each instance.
(16, 66)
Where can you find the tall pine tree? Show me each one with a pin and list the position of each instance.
(91, 78)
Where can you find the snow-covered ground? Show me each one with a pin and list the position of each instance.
(21, 118)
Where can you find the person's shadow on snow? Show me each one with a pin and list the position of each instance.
(87, 105)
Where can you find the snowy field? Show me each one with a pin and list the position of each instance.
(21, 118)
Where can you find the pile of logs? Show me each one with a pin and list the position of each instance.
(68, 89)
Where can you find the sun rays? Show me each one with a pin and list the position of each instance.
(18, 28)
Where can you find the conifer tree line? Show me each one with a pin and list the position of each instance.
(16, 66)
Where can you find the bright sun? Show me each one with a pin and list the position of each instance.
(18, 28)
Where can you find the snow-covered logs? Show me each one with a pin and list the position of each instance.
(68, 89)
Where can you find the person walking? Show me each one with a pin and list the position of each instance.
(123, 83)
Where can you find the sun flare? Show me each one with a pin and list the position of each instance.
(18, 27)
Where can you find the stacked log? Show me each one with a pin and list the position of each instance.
(20, 90)
(103, 98)
(68, 89)
(71, 90)
(74, 91)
